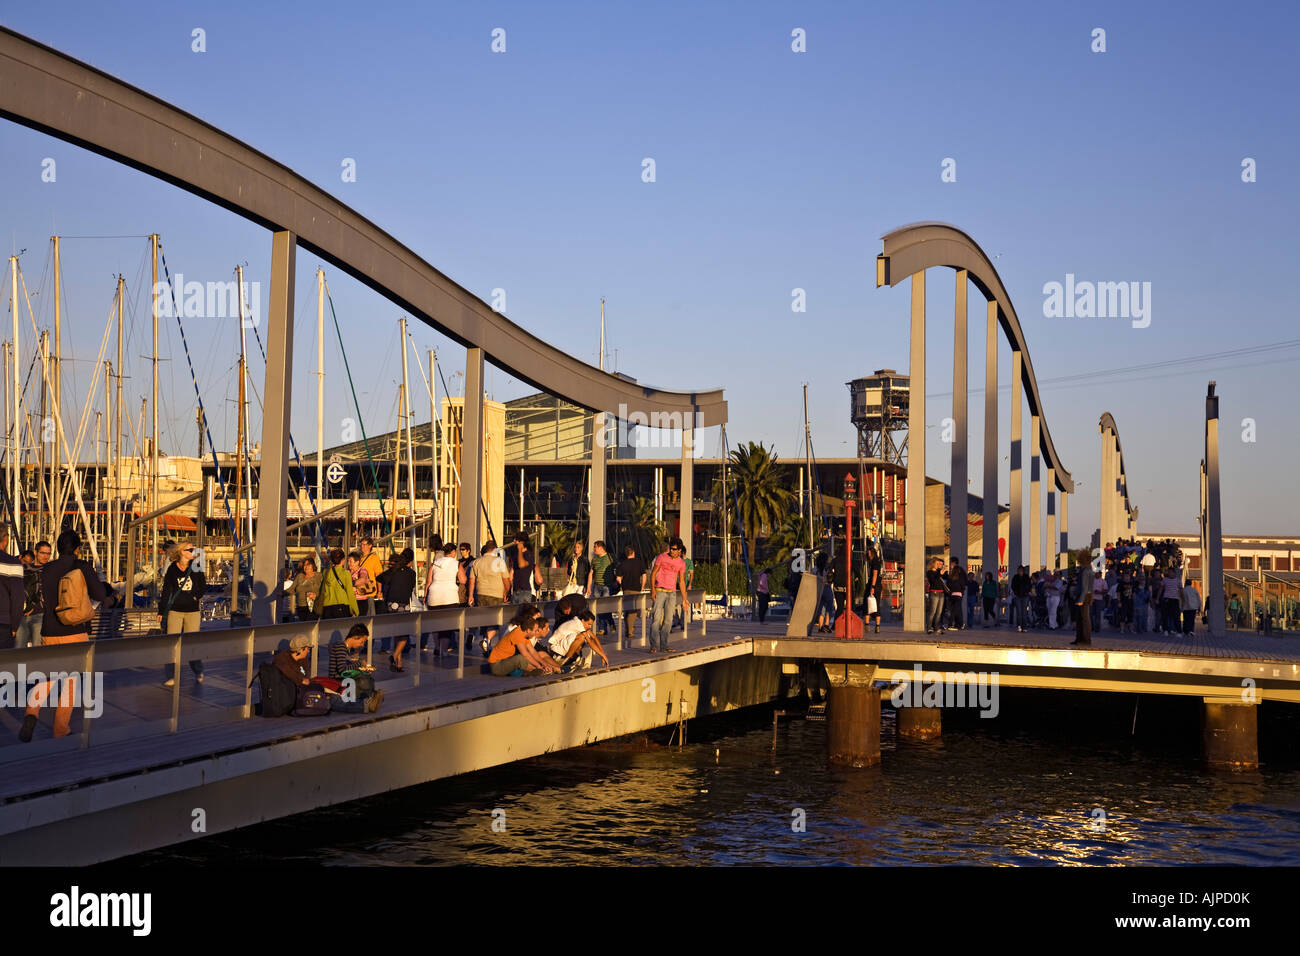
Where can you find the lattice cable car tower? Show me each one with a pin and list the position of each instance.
(880, 405)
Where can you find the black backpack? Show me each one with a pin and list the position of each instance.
(279, 693)
(33, 592)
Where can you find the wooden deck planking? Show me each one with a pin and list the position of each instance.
(438, 688)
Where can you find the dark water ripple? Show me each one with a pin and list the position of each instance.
(979, 796)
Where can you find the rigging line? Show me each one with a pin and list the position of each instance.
(1168, 363)
(63, 441)
(216, 464)
(84, 422)
(383, 515)
(302, 471)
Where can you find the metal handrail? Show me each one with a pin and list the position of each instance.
(247, 642)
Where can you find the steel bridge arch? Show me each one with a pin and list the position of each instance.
(50, 92)
(925, 245)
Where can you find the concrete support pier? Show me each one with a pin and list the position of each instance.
(1230, 733)
(920, 723)
(853, 715)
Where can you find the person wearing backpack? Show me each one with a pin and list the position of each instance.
(178, 603)
(69, 585)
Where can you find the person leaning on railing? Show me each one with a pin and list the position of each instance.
(55, 631)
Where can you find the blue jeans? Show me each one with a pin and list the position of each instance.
(934, 617)
(1022, 611)
(604, 622)
(29, 631)
(661, 620)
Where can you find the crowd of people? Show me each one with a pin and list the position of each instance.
(1142, 588)
(354, 585)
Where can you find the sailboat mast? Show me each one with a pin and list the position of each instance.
(56, 485)
(410, 444)
(153, 456)
(320, 385)
(397, 465)
(807, 459)
(433, 441)
(118, 570)
(243, 410)
(42, 490)
(15, 415)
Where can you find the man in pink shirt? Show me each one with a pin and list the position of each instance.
(667, 580)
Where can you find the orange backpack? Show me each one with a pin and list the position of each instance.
(74, 605)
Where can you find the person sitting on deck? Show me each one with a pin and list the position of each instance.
(573, 642)
(292, 664)
(513, 654)
(346, 663)
(569, 607)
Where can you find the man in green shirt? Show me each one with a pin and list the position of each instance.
(602, 570)
(685, 608)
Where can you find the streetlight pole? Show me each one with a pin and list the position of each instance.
(849, 624)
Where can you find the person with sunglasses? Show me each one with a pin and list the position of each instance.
(667, 581)
(178, 604)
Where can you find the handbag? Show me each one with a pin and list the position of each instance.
(871, 605)
(572, 586)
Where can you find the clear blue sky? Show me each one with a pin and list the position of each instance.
(775, 170)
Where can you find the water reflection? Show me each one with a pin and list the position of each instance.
(999, 796)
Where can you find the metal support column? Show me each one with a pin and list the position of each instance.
(686, 511)
(1035, 494)
(1213, 560)
(1065, 529)
(1052, 546)
(596, 507)
(958, 506)
(914, 519)
(990, 552)
(471, 454)
(1105, 500)
(268, 555)
(1015, 523)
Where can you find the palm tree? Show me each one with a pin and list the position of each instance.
(761, 496)
(647, 534)
(792, 534)
(560, 536)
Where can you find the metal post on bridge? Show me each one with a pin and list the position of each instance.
(1015, 522)
(278, 399)
(1213, 560)
(914, 519)
(990, 550)
(471, 457)
(1035, 493)
(958, 503)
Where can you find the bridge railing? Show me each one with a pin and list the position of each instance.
(132, 703)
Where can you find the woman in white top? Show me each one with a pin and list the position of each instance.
(440, 584)
(441, 589)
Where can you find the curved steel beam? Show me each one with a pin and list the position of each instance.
(48, 91)
(924, 245)
(1108, 421)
